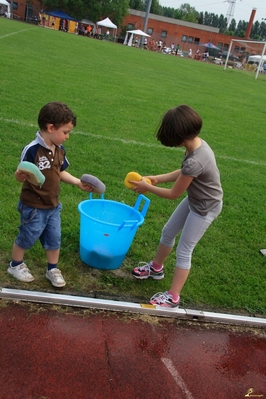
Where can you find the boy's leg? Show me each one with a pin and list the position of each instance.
(17, 253)
(53, 273)
(29, 231)
(51, 241)
(17, 268)
(52, 256)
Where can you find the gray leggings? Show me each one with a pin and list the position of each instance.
(193, 227)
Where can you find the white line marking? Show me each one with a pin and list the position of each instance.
(178, 379)
(138, 143)
(14, 33)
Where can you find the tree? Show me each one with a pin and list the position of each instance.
(168, 12)
(90, 9)
(189, 13)
(137, 5)
(156, 8)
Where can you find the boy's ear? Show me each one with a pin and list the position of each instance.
(50, 128)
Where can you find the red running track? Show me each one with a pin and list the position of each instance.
(50, 352)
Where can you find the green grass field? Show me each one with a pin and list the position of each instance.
(119, 95)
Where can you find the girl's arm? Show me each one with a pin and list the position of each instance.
(181, 184)
(165, 178)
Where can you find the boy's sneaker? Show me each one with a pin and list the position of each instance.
(145, 270)
(164, 299)
(56, 278)
(263, 252)
(21, 272)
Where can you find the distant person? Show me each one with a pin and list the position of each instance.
(43, 20)
(88, 30)
(173, 48)
(200, 178)
(205, 56)
(145, 43)
(96, 33)
(159, 46)
(190, 53)
(53, 22)
(177, 49)
(39, 207)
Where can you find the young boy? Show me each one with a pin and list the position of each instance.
(39, 207)
(200, 178)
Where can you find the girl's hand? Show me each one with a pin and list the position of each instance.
(154, 180)
(141, 186)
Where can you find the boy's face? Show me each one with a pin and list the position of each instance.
(59, 135)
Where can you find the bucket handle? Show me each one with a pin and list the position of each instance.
(145, 206)
(128, 223)
(91, 196)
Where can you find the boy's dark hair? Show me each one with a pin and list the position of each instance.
(178, 124)
(56, 113)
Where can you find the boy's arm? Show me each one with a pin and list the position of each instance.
(69, 179)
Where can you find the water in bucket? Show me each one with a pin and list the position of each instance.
(107, 229)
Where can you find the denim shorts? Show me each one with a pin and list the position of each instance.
(39, 224)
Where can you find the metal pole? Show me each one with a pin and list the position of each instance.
(11, 9)
(146, 19)
(228, 54)
(261, 61)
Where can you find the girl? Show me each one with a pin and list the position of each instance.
(200, 177)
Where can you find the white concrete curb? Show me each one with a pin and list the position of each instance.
(85, 302)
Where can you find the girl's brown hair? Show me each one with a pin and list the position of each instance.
(178, 124)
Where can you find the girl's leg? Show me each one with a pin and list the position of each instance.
(194, 229)
(174, 225)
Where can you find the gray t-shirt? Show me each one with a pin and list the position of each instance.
(205, 191)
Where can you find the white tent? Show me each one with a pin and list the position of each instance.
(107, 23)
(5, 3)
(136, 32)
(256, 58)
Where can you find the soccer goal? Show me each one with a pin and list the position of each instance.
(251, 47)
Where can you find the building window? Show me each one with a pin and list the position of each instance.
(164, 33)
(236, 49)
(184, 38)
(197, 40)
(190, 39)
(220, 45)
(15, 5)
(150, 31)
(226, 47)
(130, 27)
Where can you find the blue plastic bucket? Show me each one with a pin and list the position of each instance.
(107, 229)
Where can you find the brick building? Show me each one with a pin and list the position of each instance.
(186, 34)
(25, 10)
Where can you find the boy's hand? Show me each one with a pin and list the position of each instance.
(21, 176)
(85, 187)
